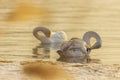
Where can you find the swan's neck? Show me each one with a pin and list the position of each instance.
(43, 39)
(87, 36)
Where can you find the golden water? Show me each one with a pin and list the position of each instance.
(75, 17)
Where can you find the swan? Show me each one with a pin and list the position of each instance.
(77, 47)
(50, 37)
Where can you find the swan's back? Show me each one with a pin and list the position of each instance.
(59, 36)
(73, 48)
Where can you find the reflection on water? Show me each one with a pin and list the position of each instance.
(43, 51)
(85, 59)
(45, 54)
(73, 17)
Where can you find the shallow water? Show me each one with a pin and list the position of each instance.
(73, 17)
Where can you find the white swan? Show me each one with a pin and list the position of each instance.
(77, 47)
(50, 37)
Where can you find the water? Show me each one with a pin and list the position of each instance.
(73, 17)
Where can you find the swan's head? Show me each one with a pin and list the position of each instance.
(74, 48)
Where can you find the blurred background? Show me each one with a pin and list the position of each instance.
(18, 19)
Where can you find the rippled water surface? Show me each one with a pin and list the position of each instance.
(18, 19)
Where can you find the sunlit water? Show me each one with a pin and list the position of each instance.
(73, 17)
(18, 44)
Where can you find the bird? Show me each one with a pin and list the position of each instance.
(49, 36)
(77, 47)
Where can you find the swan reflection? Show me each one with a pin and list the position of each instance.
(85, 59)
(43, 51)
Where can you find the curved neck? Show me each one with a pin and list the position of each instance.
(90, 34)
(43, 39)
